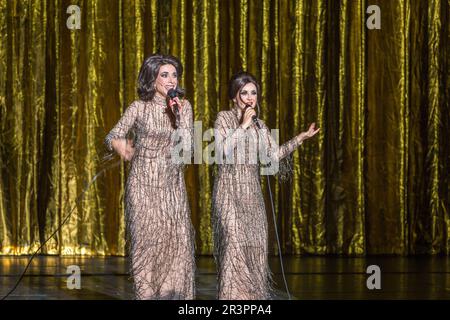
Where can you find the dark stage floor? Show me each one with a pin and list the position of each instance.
(308, 277)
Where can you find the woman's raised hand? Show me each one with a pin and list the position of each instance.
(312, 131)
(247, 118)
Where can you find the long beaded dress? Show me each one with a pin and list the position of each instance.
(239, 216)
(160, 236)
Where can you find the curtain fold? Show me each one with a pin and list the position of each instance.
(374, 181)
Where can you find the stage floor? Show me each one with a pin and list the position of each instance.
(308, 277)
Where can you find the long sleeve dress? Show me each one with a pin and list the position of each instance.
(160, 233)
(239, 217)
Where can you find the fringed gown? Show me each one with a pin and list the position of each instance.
(239, 216)
(160, 233)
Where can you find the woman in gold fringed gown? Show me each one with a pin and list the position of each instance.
(160, 233)
(239, 216)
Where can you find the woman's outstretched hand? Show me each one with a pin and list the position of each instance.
(312, 131)
(124, 148)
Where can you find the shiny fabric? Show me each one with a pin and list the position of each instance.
(160, 233)
(375, 180)
(239, 215)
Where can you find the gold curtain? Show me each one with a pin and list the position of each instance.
(375, 180)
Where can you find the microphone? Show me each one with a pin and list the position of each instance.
(254, 118)
(172, 94)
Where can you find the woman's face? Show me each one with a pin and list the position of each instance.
(167, 79)
(247, 95)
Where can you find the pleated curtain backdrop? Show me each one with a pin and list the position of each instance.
(374, 181)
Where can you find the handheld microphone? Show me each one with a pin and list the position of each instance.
(172, 94)
(254, 118)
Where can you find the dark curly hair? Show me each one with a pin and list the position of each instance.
(149, 73)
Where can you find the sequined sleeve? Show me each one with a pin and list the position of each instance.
(122, 127)
(276, 152)
(227, 138)
(187, 126)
